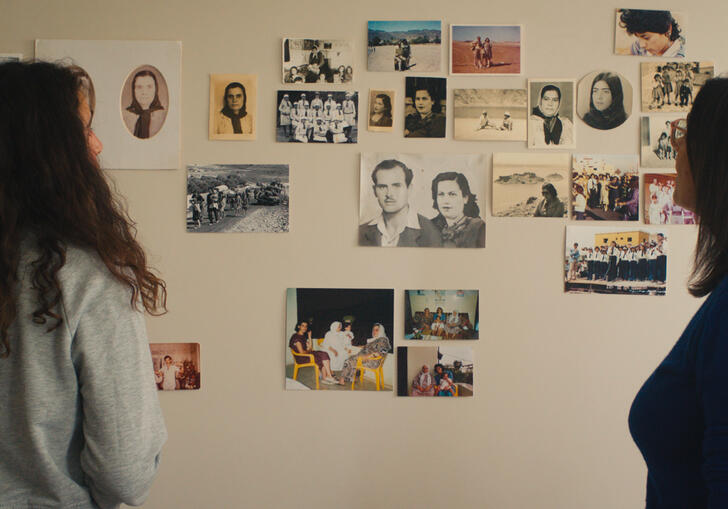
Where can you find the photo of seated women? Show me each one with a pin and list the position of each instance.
(144, 102)
(605, 100)
(649, 33)
(442, 371)
(551, 119)
(455, 314)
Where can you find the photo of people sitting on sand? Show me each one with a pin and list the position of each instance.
(491, 114)
(404, 45)
(444, 371)
(486, 49)
(605, 188)
(441, 314)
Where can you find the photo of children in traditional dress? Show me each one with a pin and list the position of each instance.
(176, 365)
(605, 187)
(655, 148)
(660, 207)
(317, 61)
(441, 314)
(490, 114)
(435, 371)
(650, 33)
(486, 49)
(672, 86)
(404, 46)
(615, 261)
(317, 116)
(233, 106)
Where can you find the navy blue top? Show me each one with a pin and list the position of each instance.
(679, 418)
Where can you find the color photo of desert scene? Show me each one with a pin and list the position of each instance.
(486, 49)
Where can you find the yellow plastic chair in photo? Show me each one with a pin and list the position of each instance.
(310, 363)
(378, 371)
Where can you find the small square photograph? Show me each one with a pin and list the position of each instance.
(404, 45)
(660, 208)
(486, 49)
(551, 108)
(313, 116)
(605, 188)
(445, 370)
(417, 200)
(233, 106)
(530, 185)
(490, 114)
(317, 61)
(604, 100)
(424, 107)
(672, 86)
(380, 110)
(339, 339)
(176, 366)
(237, 198)
(615, 260)
(650, 33)
(441, 314)
(10, 57)
(655, 147)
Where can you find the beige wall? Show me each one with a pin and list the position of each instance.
(556, 373)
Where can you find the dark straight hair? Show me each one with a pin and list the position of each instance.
(707, 153)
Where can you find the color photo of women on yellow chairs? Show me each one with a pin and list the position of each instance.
(441, 314)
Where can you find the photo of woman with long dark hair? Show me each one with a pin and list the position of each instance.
(606, 100)
(146, 110)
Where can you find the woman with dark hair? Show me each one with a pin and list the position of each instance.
(550, 205)
(145, 115)
(657, 33)
(458, 219)
(81, 424)
(606, 102)
(381, 111)
(234, 118)
(547, 126)
(426, 121)
(679, 417)
(301, 343)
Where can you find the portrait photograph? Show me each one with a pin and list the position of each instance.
(433, 315)
(660, 207)
(237, 198)
(317, 61)
(137, 97)
(424, 107)
(404, 46)
(490, 114)
(176, 366)
(233, 106)
(604, 100)
(649, 33)
(551, 109)
(417, 200)
(605, 188)
(445, 370)
(380, 110)
(615, 260)
(531, 185)
(655, 148)
(486, 49)
(339, 339)
(671, 86)
(313, 116)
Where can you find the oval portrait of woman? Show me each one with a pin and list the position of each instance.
(144, 101)
(604, 100)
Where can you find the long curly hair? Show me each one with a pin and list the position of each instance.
(53, 191)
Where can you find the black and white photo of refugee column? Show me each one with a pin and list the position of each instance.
(311, 116)
(404, 45)
(237, 198)
(317, 61)
(671, 86)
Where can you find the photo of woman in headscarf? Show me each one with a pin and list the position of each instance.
(234, 118)
(372, 355)
(338, 345)
(549, 125)
(606, 100)
(147, 101)
(423, 384)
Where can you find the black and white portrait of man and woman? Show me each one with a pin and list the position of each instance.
(416, 200)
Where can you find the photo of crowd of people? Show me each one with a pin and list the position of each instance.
(605, 187)
(486, 49)
(317, 116)
(417, 200)
(653, 33)
(660, 208)
(404, 45)
(604, 100)
(424, 107)
(317, 61)
(615, 261)
(337, 339)
(441, 314)
(233, 106)
(176, 365)
(490, 114)
(445, 371)
(551, 108)
(671, 86)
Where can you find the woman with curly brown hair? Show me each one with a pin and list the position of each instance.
(80, 423)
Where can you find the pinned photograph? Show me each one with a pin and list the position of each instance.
(237, 198)
(486, 49)
(380, 110)
(650, 33)
(339, 339)
(490, 114)
(233, 106)
(416, 200)
(312, 116)
(530, 185)
(441, 314)
(655, 147)
(424, 107)
(605, 187)
(672, 86)
(605, 100)
(615, 260)
(445, 370)
(404, 45)
(176, 366)
(317, 61)
(552, 105)
(10, 57)
(660, 207)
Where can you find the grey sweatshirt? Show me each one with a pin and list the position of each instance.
(80, 422)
